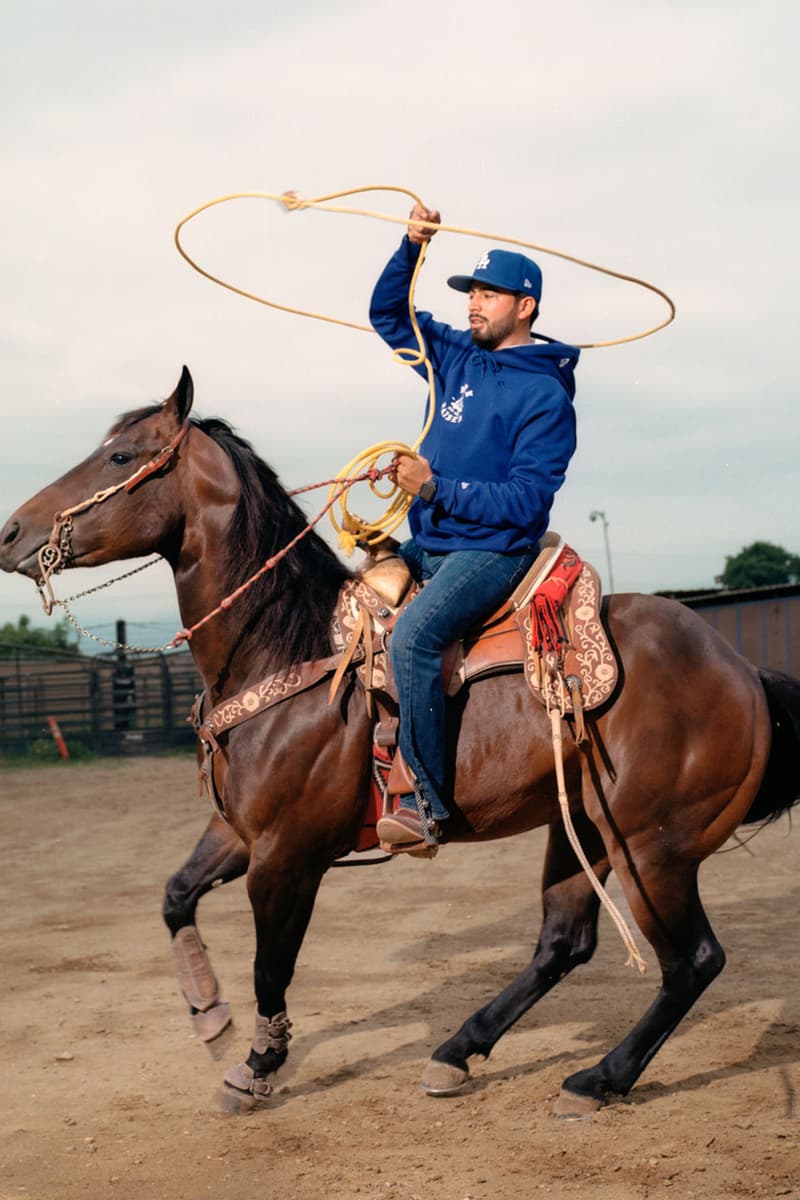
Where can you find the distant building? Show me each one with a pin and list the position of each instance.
(763, 623)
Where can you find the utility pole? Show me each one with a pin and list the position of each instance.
(598, 515)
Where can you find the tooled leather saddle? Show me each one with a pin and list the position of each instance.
(521, 633)
(549, 627)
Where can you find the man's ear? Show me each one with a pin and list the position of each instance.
(526, 309)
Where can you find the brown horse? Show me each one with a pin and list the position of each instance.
(694, 742)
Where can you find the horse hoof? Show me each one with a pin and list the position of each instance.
(571, 1107)
(441, 1079)
(232, 1102)
(243, 1090)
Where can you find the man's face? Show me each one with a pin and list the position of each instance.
(494, 316)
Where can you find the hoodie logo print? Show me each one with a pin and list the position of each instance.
(454, 410)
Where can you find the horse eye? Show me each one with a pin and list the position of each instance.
(120, 458)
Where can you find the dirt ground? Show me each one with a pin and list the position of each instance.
(105, 1091)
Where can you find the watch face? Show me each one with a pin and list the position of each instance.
(428, 490)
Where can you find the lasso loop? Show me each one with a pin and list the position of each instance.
(350, 527)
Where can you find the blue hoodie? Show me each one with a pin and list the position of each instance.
(503, 431)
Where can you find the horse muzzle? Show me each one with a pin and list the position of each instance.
(19, 547)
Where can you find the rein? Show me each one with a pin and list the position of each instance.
(56, 553)
(371, 475)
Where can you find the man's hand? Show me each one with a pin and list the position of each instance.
(410, 471)
(418, 213)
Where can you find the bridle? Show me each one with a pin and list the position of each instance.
(57, 552)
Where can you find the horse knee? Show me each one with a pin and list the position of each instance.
(567, 955)
(567, 945)
(213, 862)
(177, 908)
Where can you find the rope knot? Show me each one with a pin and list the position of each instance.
(291, 200)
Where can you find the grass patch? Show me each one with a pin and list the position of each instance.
(44, 752)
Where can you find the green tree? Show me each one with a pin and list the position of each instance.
(759, 565)
(25, 636)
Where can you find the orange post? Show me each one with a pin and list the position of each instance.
(58, 737)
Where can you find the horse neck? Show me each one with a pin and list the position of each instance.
(281, 619)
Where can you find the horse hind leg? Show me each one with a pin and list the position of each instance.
(218, 857)
(666, 905)
(567, 939)
(679, 807)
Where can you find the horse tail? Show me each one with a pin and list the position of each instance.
(780, 787)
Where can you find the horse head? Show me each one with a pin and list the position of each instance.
(196, 493)
(87, 517)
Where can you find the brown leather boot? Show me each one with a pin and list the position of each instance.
(402, 833)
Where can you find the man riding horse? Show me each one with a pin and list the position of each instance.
(497, 451)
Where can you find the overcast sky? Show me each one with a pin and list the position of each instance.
(658, 139)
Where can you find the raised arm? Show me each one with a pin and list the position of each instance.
(389, 314)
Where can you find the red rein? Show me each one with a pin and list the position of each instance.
(372, 474)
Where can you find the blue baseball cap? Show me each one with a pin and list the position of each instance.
(503, 269)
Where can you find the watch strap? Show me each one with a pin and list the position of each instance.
(428, 490)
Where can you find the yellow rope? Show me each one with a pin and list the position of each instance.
(352, 528)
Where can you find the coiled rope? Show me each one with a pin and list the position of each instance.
(350, 527)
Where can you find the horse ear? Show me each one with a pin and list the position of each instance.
(181, 399)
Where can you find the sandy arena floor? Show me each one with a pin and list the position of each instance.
(105, 1091)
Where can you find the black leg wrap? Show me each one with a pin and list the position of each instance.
(267, 1063)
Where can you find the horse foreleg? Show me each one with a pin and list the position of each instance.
(218, 857)
(282, 886)
(666, 905)
(568, 938)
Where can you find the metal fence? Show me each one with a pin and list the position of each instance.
(110, 704)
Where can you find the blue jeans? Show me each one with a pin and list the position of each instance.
(461, 589)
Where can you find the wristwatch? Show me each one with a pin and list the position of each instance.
(427, 489)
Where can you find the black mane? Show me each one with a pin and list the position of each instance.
(287, 611)
(291, 605)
